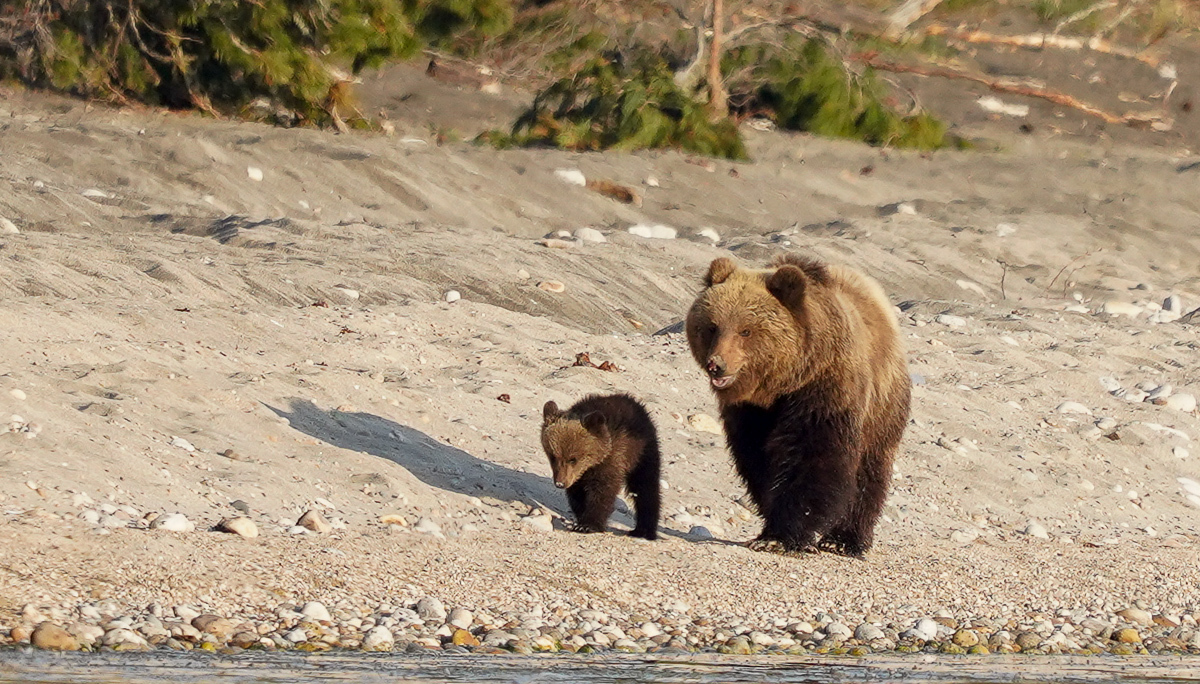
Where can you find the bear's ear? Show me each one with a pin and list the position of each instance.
(594, 423)
(550, 412)
(718, 271)
(787, 284)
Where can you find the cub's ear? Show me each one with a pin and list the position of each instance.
(550, 412)
(594, 423)
(787, 284)
(718, 271)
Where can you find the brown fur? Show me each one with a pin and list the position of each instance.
(598, 446)
(806, 362)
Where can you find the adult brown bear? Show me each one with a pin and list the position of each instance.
(806, 361)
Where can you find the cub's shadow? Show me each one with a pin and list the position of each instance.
(430, 461)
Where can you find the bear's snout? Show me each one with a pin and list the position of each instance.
(560, 484)
(715, 366)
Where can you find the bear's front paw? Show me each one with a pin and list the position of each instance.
(645, 534)
(583, 529)
(768, 545)
(842, 548)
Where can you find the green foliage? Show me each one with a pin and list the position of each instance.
(804, 88)
(1053, 10)
(276, 59)
(612, 104)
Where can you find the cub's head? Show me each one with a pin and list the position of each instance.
(574, 444)
(748, 326)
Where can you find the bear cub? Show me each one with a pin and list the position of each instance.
(807, 365)
(596, 447)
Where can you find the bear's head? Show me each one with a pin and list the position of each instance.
(573, 444)
(747, 327)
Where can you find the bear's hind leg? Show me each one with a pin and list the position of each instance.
(643, 484)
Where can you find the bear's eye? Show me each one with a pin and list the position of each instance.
(745, 332)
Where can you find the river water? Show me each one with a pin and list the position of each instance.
(294, 668)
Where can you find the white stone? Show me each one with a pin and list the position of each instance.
(315, 610)
(994, 105)
(702, 422)
(1189, 485)
(453, 296)
(1132, 395)
(182, 444)
(1005, 229)
(1035, 529)
(656, 231)
(711, 234)
(17, 394)
(378, 638)
(538, 523)
(8, 227)
(951, 321)
(431, 608)
(241, 526)
(1173, 304)
(589, 235)
(1159, 394)
(460, 618)
(427, 526)
(173, 522)
(1073, 407)
(571, 176)
(1106, 423)
(254, 173)
(927, 628)
(971, 286)
(1119, 308)
(868, 632)
(1182, 402)
(297, 635)
(123, 637)
(1179, 452)
(1110, 384)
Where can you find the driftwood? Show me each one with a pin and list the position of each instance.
(1039, 41)
(1021, 88)
(908, 12)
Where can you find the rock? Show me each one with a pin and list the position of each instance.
(965, 638)
(393, 519)
(51, 637)
(1110, 384)
(296, 636)
(1137, 615)
(430, 608)
(1073, 407)
(927, 628)
(429, 527)
(702, 422)
(539, 523)
(1106, 424)
(215, 625)
(240, 525)
(182, 443)
(590, 235)
(1182, 402)
(453, 296)
(254, 173)
(172, 522)
(868, 632)
(460, 618)
(1159, 394)
(316, 611)
(17, 394)
(312, 520)
(123, 637)
(571, 176)
(710, 234)
(7, 227)
(19, 634)
(656, 231)
(738, 645)
(1028, 640)
(554, 243)
(378, 638)
(1119, 308)
(552, 286)
(700, 532)
(462, 637)
(1179, 452)
(1128, 635)
(1132, 395)
(1035, 529)
(244, 639)
(950, 321)
(1173, 304)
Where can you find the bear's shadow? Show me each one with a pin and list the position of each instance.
(430, 461)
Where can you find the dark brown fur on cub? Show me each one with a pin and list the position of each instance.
(807, 365)
(598, 446)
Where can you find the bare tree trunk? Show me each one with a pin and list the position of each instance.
(718, 99)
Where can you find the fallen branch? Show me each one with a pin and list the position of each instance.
(1083, 14)
(1019, 88)
(907, 13)
(1039, 41)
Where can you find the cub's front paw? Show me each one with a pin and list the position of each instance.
(583, 529)
(769, 545)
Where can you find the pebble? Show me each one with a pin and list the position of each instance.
(1179, 452)
(1173, 304)
(214, 624)
(950, 321)
(1132, 395)
(1128, 635)
(430, 608)
(555, 243)
(17, 394)
(312, 520)
(965, 638)
(240, 525)
(51, 637)
(378, 638)
(460, 618)
(868, 632)
(394, 519)
(538, 523)
(1159, 394)
(255, 173)
(657, 231)
(8, 227)
(1182, 402)
(427, 526)
(927, 628)
(552, 286)
(1119, 308)
(453, 296)
(571, 176)
(173, 522)
(700, 532)
(702, 422)
(1073, 407)
(316, 611)
(182, 444)
(1137, 615)
(711, 234)
(590, 235)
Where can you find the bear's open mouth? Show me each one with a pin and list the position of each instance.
(723, 381)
